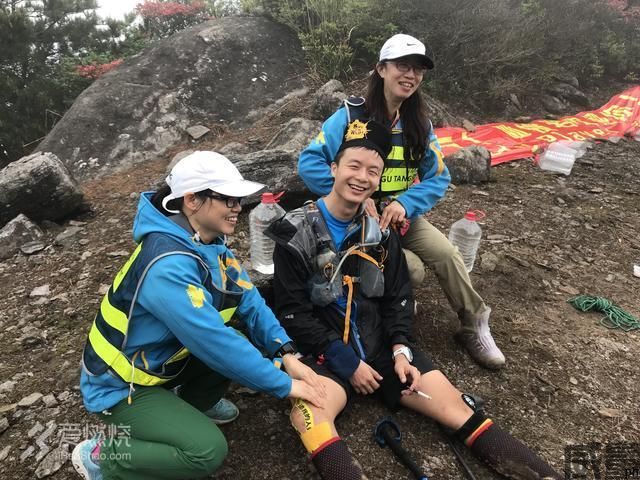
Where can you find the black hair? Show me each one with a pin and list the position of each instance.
(176, 203)
(413, 112)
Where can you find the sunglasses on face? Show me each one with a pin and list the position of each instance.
(404, 67)
(230, 202)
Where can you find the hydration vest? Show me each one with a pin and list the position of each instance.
(107, 340)
(314, 245)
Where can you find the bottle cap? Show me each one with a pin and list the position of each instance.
(474, 215)
(269, 197)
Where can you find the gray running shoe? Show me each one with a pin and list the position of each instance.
(223, 412)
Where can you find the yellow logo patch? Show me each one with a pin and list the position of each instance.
(356, 130)
(196, 295)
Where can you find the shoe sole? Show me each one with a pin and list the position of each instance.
(76, 461)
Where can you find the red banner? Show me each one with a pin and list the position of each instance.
(513, 141)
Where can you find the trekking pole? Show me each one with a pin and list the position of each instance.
(451, 442)
(387, 433)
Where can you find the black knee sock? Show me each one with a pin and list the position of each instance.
(335, 462)
(504, 453)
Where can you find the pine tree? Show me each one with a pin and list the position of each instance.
(36, 37)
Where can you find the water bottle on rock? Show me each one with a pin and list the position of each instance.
(259, 220)
(465, 234)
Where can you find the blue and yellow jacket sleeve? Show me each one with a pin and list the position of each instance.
(174, 294)
(315, 160)
(434, 180)
(262, 325)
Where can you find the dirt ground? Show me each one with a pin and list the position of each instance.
(546, 238)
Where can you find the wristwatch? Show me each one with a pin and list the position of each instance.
(404, 350)
(288, 347)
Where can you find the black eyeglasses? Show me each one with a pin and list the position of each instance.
(404, 67)
(230, 202)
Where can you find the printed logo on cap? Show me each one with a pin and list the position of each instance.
(357, 130)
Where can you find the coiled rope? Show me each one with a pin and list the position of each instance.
(614, 316)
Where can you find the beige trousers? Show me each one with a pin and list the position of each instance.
(424, 244)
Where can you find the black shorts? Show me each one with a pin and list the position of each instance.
(390, 387)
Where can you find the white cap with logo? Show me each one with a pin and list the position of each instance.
(402, 45)
(204, 170)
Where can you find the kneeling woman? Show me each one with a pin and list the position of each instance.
(162, 325)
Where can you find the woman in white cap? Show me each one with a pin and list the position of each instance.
(393, 98)
(163, 324)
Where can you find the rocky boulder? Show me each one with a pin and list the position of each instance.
(19, 233)
(211, 75)
(277, 169)
(327, 99)
(469, 165)
(295, 135)
(39, 186)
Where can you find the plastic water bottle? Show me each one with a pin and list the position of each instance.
(560, 156)
(259, 220)
(465, 234)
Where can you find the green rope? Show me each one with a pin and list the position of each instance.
(614, 316)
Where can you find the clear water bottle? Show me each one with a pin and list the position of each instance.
(560, 156)
(259, 220)
(465, 234)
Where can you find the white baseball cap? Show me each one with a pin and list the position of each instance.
(204, 170)
(402, 45)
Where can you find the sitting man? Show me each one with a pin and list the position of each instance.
(342, 291)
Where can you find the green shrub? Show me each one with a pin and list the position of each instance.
(484, 49)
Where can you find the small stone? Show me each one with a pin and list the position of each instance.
(4, 424)
(27, 453)
(49, 400)
(610, 413)
(35, 430)
(5, 453)
(104, 288)
(67, 234)
(7, 387)
(480, 192)
(573, 380)
(77, 223)
(197, 131)
(32, 341)
(30, 248)
(119, 253)
(569, 290)
(53, 462)
(8, 408)
(64, 396)
(41, 291)
(30, 400)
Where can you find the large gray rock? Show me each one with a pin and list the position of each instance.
(553, 104)
(18, 232)
(295, 135)
(277, 169)
(327, 99)
(469, 165)
(39, 186)
(213, 73)
(570, 93)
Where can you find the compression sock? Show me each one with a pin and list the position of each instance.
(504, 453)
(334, 461)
